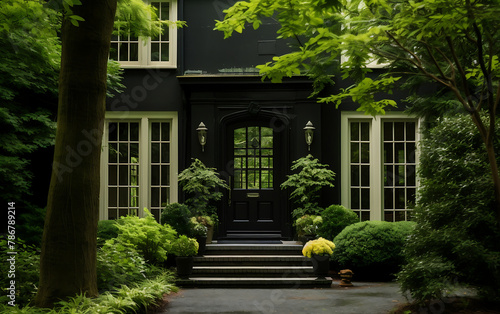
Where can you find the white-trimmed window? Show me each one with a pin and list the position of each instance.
(160, 51)
(379, 160)
(138, 163)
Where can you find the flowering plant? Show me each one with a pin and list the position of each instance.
(319, 246)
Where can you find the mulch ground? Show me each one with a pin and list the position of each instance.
(461, 305)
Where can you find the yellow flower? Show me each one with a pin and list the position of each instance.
(319, 246)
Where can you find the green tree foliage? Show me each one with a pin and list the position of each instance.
(306, 184)
(335, 219)
(372, 249)
(178, 216)
(455, 240)
(454, 44)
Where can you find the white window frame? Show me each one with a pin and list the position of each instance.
(376, 156)
(144, 118)
(144, 48)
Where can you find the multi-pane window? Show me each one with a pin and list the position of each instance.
(160, 167)
(360, 169)
(160, 50)
(379, 155)
(123, 169)
(253, 158)
(399, 169)
(138, 166)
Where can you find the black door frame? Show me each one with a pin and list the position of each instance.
(280, 123)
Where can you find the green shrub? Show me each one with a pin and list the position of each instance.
(178, 216)
(27, 271)
(118, 264)
(372, 249)
(335, 219)
(308, 225)
(307, 184)
(184, 246)
(106, 230)
(456, 238)
(150, 238)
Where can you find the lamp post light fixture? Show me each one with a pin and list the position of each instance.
(309, 132)
(202, 135)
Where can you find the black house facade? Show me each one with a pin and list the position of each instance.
(192, 79)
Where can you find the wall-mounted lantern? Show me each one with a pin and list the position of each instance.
(202, 135)
(309, 132)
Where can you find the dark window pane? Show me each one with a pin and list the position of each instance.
(400, 198)
(354, 175)
(410, 195)
(155, 175)
(400, 175)
(365, 216)
(123, 132)
(365, 152)
(112, 175)
(389, 216)
(388, 199)
(399, 216)
(365, 198)
(165, 132)
(399, 152)
(155, 152)
(410, 152)
(355, 199)
(123, 175)
(165, 199)
(134, 153)
(155, 131)
(165, 152)
(165, 175)
(389, 175)
(387, 131)
(123, 48)
(112, 197)
(134, 131)
(354, 131)
(355, 153)
(123, 152)
(399, 131)
(388, 153)
(113, 131)
(155, 52)
(113, 51)
(410, 131)
(410, 176)
(123, 197)
(365, 131)
(113, 153)
(134, 52)
(365, 175)
(155, 197)
(122, 212)
(165, 54)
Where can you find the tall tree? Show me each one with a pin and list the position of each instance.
(68, 258)
(452, 43)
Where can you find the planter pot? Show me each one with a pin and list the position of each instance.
(321, 265)
(202, 241)
(210, 234)
(184, 266)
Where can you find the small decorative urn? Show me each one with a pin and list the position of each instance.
(345, 278)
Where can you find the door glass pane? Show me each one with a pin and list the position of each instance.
(253, 150)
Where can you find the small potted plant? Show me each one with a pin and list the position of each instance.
(199, 232)
(307, 227)
(209, 223)
(184, 249)
(319, 251)
(202, 186)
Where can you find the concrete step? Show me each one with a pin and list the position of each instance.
(252, 260)
(253, 249)
(253, 271)
(257, 282)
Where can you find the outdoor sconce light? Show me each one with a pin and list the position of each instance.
(202, 135)
(309, 131)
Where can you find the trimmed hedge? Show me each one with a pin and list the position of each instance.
(335, 219)
(373, 250)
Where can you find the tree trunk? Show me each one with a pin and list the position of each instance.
(68, 258)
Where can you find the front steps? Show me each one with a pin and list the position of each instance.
(253, 266)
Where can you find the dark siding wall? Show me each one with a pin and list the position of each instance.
(206, 50)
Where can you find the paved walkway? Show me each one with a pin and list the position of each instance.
(370, 298)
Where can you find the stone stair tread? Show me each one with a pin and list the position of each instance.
(252, 267)
(252, 256)
(256, 279)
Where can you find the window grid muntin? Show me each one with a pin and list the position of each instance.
(160, 166)
(253, 158)
(123, 169)
(399, 170)
(359, 167)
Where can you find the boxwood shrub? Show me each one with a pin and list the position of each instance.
(373, 250)
(335, 219)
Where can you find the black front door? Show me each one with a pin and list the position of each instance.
(253, 205)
